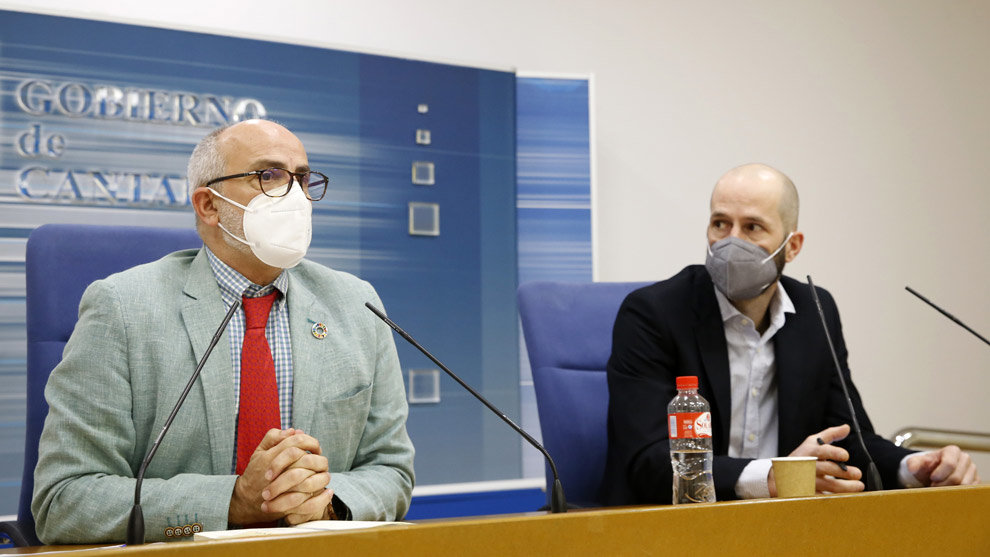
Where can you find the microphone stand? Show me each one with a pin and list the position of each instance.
(558, 503)
(873, 482)
(135, 524)
(947, 314)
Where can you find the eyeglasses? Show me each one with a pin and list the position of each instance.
(271, 180)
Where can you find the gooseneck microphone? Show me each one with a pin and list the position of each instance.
(947, 314)
(873, 482)
(135, 524)
(558, 503)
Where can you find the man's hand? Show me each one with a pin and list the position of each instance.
(316, 507)
(285, 471)
(829, 474)
(299, 475)
(946, 466)
(285, 478)
(245, 501)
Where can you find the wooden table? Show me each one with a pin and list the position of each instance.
(934, 521)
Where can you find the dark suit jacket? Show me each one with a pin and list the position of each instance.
(674, 328)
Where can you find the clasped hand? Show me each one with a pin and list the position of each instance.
(286, 477)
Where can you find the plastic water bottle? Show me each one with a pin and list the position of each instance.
(690, 420)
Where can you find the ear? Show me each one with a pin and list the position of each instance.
(204, 203)
(793, 246)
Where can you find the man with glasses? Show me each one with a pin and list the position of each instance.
(300, 412)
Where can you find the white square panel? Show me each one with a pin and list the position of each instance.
(424, 219)
(423, 173)
(424, 386)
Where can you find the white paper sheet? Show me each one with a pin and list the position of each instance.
(315, 526)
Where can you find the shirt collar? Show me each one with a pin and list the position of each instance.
(234, 285)
(779, 305)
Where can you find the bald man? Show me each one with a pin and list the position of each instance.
(300, 412)
(754, 339)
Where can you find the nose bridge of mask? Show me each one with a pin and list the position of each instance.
(265, 206)
(289, 202)
(279, 191)
(272, 196)
(732, 242)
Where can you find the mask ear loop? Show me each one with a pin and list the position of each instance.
(231, 201)
(231, 234)
(238, 205)
(775, 252)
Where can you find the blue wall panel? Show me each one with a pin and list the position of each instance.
(475, 504)
(356, 114)
(553, 154)
(451, 289)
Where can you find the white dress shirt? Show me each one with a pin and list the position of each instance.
(753, 379)
(753, 425)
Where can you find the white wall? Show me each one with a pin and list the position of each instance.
(878, 111)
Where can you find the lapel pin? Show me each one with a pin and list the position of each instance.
(319, 331)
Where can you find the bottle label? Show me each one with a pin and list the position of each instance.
(690, 425)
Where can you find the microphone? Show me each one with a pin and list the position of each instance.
(873, 482)
(558, 503)
(947, 314)
(135, 524)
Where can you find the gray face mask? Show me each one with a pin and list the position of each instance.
(742, 270)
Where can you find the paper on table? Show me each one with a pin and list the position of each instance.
(345, 524)
(76, 550)
(307, 527)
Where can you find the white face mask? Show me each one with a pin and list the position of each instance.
(277, 229)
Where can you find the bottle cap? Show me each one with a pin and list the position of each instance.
(687, 382)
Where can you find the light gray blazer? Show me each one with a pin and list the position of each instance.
(134, 348)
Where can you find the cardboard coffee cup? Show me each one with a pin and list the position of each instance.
(794, 475)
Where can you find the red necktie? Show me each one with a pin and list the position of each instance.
(258, 411)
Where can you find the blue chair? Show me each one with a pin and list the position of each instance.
(61, 261)
(568, 332)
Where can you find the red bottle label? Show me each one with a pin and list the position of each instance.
(690, 425)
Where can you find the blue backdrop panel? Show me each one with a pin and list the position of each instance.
(553, 152)
(452, 288)
(554, 177)
(97, 121)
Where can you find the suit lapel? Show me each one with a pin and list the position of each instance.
(305, 311)
(710, 333)
(791, 374)
(202, 312)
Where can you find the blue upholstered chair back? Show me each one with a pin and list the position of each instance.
(568, 332)
(61, 261)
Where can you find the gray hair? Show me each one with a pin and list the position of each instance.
(206, 162)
